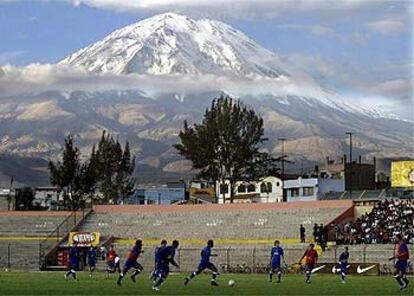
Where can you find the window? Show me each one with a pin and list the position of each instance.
(277, 184)
(269, 187)
(307, 191)
(263, 188)
(294, 192)
(224, 188)
(241, 188)
(251, 188)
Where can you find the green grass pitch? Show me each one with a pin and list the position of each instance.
(53, 283)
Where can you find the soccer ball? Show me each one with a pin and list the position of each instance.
(231, 283)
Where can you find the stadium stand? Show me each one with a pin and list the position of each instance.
(21, 232)
(230, 221)
(29, 223)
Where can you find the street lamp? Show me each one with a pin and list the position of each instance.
(350, 163)
(283, 168)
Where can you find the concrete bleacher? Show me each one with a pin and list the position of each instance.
(30, 223)
(226, 222)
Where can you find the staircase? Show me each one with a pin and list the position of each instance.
(49, 246)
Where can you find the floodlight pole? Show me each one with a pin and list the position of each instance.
(350, 163)
(283, 168)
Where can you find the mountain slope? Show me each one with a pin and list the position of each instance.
(175, 44)
(35, 124)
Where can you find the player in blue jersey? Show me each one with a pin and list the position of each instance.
(73, 261)
(166, 257)
(401, 256)
(205, 264)
(131, 262)
(91, 260)
(343, 263)
(157, 252)
(276, 260)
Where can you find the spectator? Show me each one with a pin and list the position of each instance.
(315, 232)
(302, 231)
(387, 219)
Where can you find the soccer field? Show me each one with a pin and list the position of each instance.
(53, 283)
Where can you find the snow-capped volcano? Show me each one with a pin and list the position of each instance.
(171, 43)
(217, 58)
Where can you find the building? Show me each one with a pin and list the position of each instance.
(268, 189)
(7, 199)
(363, 174)
(157, 195)
(307, 189)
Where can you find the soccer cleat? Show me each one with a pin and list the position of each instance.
(156, 288)
(133, 279)
(214, 283)
(186, 281)
(278, 281)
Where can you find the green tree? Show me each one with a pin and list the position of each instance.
(114, 168)
(24, 198)
(74, 177)
(227, 144)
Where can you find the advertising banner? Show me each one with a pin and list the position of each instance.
(353, 268)
(84, 239)
(402, 173)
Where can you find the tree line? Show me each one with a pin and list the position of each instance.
(104, 177)
(226, 147)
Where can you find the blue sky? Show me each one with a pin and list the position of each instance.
(360, 47)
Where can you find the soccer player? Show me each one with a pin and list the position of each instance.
(343, 262)
(157, 253)
(205, 264)
(166, 257)
(73, 261)
(131, 262)
(111, 258)
(91, 260)
(276, 259)
(402, 255)
(311, 258)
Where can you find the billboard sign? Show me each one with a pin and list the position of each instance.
(402, 173)
(84, 239)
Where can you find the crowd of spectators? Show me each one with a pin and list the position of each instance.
(380, 226)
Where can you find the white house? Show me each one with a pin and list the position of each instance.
(268, 189)
(304, 189)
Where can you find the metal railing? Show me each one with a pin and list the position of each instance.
(59, 234)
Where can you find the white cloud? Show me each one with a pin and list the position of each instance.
(239, 9)
(386, 26)
(314, 29)
(45, 77)
(393, 87)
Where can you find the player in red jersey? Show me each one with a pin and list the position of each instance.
(112, 261)
(311, 258)
(401, 256)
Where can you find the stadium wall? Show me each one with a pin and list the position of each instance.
(222, 207)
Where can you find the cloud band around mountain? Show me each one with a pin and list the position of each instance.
(47, 77)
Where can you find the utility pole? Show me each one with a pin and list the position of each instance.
(350, 163)
(283, 168)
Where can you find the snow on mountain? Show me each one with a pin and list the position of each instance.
(175, 44)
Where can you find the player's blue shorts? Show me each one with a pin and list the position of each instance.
(163, 270)
(342, 267)
(131, 264)
(206, 265)
(73, 264)
(309, 267)
(401, 265)
(92, 263)
(275, 264)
